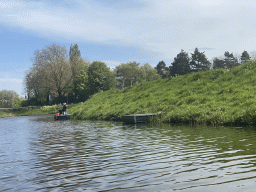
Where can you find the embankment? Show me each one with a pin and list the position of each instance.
(31, 110)
(216, 97)
(210, 97)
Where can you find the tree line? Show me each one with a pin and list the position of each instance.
(57, 76)
(183, 63)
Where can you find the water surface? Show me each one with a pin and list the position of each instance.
(39, 154)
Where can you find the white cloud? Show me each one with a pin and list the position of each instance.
(162, 26)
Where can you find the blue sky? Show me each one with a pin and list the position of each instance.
(120, 31)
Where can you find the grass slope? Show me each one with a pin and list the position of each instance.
(212, 97)
(24, 111)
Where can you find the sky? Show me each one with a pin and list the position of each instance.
(120, 31)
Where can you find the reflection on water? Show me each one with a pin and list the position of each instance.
(46, 155)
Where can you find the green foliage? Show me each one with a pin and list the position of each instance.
(100, 78)
(149, 73)
(32, 110)
(211, 97)
(229, 61)
(129, 74)
(82, 85)
(199, 62)
(181, 64)
(245, 57)
(132, 73)
(74, 52)
(9, 99)
(162, 70)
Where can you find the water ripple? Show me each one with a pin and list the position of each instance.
(44, 155)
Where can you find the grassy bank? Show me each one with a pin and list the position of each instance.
(211, 97)
(24, 111)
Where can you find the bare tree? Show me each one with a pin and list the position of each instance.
(55, 70)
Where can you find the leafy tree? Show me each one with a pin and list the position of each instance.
(181, 64)
(82, 85)
(245, 57)
(9, 99)
(100, 78)
(129, 73)
(162, 70)
(199, 62)
(149, 72)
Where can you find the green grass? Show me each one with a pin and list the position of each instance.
(3, 113)
(211, 97)
(31, 110)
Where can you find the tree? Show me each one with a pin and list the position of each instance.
(181, 64)
(82, 85)
(54, 68)
(218, 63)
(129, 73)
(100, 78)
(199, 62)
(9, 99)
(230, 60)
(74, 52)
(77, 64)
(162, 70)
(245, 57)
(33, 83)
(149, 72)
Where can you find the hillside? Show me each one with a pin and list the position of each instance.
(212, 97)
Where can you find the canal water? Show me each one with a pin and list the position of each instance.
(40, 154)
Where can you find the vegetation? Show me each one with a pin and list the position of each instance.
(187, 91)
(32, 110)
(53, 74)
(9, 99)
(132, 73)
(214, 97)
(184, 64)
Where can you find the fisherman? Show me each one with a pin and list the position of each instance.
(63, 109)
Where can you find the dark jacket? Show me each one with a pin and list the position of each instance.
(64, 108)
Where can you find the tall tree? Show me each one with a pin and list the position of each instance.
(100, 78)
(74, 52)
(181, 64)
(245, 57)
(199, 62)
(55, 68)
(218, 63)
(230, 60)
(77, 64)
(162, 70)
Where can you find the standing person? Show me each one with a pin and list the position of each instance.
(64, 108)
